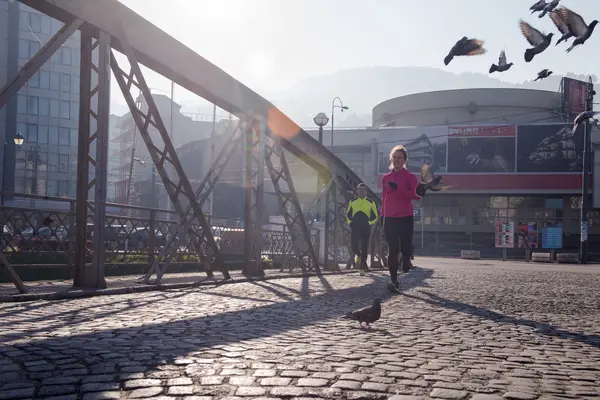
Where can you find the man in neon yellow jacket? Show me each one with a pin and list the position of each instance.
(361, 214)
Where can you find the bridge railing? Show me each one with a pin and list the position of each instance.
(134, 235)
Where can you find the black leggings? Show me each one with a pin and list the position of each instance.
(398, 234)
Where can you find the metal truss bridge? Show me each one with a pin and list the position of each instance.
(107, 26)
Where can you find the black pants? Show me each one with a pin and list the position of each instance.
(359, 241)
(398, 234)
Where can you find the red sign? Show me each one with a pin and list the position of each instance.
(483, 131)
(574, 96)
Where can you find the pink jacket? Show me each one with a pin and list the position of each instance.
(398, 202)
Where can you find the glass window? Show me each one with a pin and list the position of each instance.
(52, 189)
(52, 162)
(65, 83)
(63, 137)
(65, 109)
(75, 110)
(54, 108)
(35, 22)
(34, 81)
(44, 79)
(55, 59)
(32, 105)
(75, 83)
(24, 20)
(44, 107)
(34, 47)
(63, 149)
(56, 25)
(24, 48)
(43, 134)
(21, 104)
(66, 55)
(46, 24)
(32, 133)
(74, 137)
(54, 81)
(63, 188)
(22, 129)
(53, 135)
(63, 163)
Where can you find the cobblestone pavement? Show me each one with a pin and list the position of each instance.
(459, 330)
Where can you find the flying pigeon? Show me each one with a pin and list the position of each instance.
(549, 7)
(502, 64)
(584, 116)
(543, 74)
(465, 47)
(577, 26)
(366, 315)
(561, 25)
(538, 6)
(429, 182)
(539, 41)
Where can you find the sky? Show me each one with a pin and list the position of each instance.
(270, 45)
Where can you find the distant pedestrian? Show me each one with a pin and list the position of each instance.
(361, 214)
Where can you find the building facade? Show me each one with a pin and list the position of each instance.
(45, 111)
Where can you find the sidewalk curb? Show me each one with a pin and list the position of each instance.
(142, 288)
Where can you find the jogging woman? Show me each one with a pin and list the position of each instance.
(399, 190)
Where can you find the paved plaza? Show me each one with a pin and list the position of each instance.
(459, 330)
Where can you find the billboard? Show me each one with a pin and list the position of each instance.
(481, 149)
(427, 145)
(574, 96)
(550, 148)
(485, 158)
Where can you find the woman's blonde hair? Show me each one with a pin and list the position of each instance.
(395, 149)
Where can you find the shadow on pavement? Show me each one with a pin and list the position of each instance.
(165, 341)
(540, 327)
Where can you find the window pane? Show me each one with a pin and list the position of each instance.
(63, 188)
(66, 55)
(43, 134)
(52, 162)
(63, 138)
(53, 135)
(44, 79)
(75, 111)
(32, 105)
(54, 108)
(24, 20)
(63, 163)
(35, 22)
(52, 188)
(44, 107)
(65, 82)
(33, 48)
(21, 104)
(73, 137)
(55, 81)
(46, 29)
(22, 129)
(75, 83)
(65, 109)
(24, 48)
(32, 133)
(34, 81)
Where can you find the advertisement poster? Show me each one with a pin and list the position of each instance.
(574, 96)
(505, 235)
(426, 145)
(527, 235)
(549, 148)
(481, 149)
(552, 235)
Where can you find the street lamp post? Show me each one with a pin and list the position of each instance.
(34, 157)
(333, 107)
(321, 119)
(153, 180)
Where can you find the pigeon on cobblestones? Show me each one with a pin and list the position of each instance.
(366, 315)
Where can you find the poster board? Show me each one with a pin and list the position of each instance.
(505, 234)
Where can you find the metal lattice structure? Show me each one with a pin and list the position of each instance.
(265, 132)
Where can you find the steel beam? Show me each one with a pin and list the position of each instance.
(162, 262)
(35, 63)
(290, 206)
(92, 158)
(255, 141)
(179, 188)
(14, 277)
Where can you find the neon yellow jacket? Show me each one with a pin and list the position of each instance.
(362, 212)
